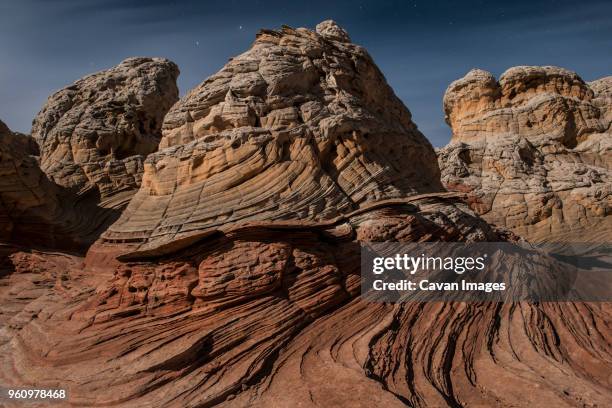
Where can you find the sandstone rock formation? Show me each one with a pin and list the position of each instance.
(93, 136)
(533, 150)
(233, 276)
(95, 133)
(301, 127)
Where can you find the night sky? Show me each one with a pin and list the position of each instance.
(420, 46)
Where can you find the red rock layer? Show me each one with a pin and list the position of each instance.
(270, 316)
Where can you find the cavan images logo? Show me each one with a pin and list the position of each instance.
(483, 271)
(408, 264)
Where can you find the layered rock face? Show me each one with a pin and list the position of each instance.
(269, 315)
(28, 200)
(233, 276)
(533, 150)
(301, 127)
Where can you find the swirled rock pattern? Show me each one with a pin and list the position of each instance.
(533, 150)
(302, 126)
(36, 211)
(233, 276)
(269, 315)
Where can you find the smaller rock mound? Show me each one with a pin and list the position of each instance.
(92, 140)
(532, 101)
(533, 150)
(89, 131)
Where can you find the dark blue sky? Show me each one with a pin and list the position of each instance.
(420, 46)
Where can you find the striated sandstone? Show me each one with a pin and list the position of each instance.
(269, 315)
(91, 138)
(29, 202)
(303, 126)
(533, 150)
(238, 278)
(35, 211)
